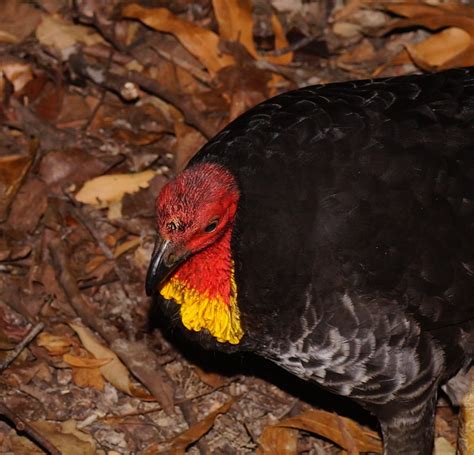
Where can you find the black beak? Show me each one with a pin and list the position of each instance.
(162, 263)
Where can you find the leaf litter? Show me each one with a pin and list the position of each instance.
(103, 102)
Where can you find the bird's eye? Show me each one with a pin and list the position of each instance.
(211, 226)
(171, 226)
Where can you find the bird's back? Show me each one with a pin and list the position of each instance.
(362, 191)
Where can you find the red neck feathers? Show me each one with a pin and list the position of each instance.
(210, 271)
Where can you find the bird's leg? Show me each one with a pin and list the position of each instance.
(466, 423)
(411, 431)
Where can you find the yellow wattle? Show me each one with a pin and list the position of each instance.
(199, 311)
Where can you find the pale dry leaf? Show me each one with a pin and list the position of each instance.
(453, 46)
(114, 371)
(106, 190)
(65, 438)
(443, 447)
(437, 50)
(202, 43)
(62, 35)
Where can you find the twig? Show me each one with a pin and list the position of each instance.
(25, 427)
(22, 345)
(102, 245)
(292, 47)
(118, 84)
(102, 96)
(191, 69)
(147, 371)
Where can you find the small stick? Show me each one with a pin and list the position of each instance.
(25, 427)
(22, 345)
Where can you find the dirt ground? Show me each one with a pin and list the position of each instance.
(101, 103)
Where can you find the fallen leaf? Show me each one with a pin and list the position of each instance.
(234, 18)
(17, 21)
(13, 169)
(66, 437)
(16, 71)
(69, 166)
(202, 43)
(55, 344)
(441, 48)
(114, 371)
(278, 441)
(84, 362)
(88, 378)
(126, 246)
(211, 379)
(342, 431)
(451, 47)
(179, 443)
(443, 447)
(107, 191)
(62, 35)
(188, 142)
(30, 204)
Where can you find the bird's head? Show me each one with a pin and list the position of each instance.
(193, 211)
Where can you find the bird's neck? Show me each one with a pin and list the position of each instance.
(205, 288)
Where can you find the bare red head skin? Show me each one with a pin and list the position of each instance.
(194, 208)
(194, 211)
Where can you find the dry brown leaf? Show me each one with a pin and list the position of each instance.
(13, 169)
(211, 379)
(66, 437)
(234, 18)
(114, 371)
(88, 377)
(17, 20)
(83, 362)
(188, 142)
(451, 47)
(198, 430)
(202, 43)
(108, 190)
(342, 431)
(30, 204)
(55, 344)
(62, 35)
(439, 49)
(278, 441)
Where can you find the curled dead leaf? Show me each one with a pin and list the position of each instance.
(202, 43)
(83, 362)
(342, 431)
(55, 344)
(453, 46)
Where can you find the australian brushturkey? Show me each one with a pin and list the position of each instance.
(331, 230)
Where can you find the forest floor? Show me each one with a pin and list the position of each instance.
(101, 103)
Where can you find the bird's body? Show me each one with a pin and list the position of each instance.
(348, 254)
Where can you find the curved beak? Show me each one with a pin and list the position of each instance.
(163, 262)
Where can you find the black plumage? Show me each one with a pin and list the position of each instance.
(353, 241)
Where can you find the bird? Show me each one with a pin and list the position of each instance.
(330, 229)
